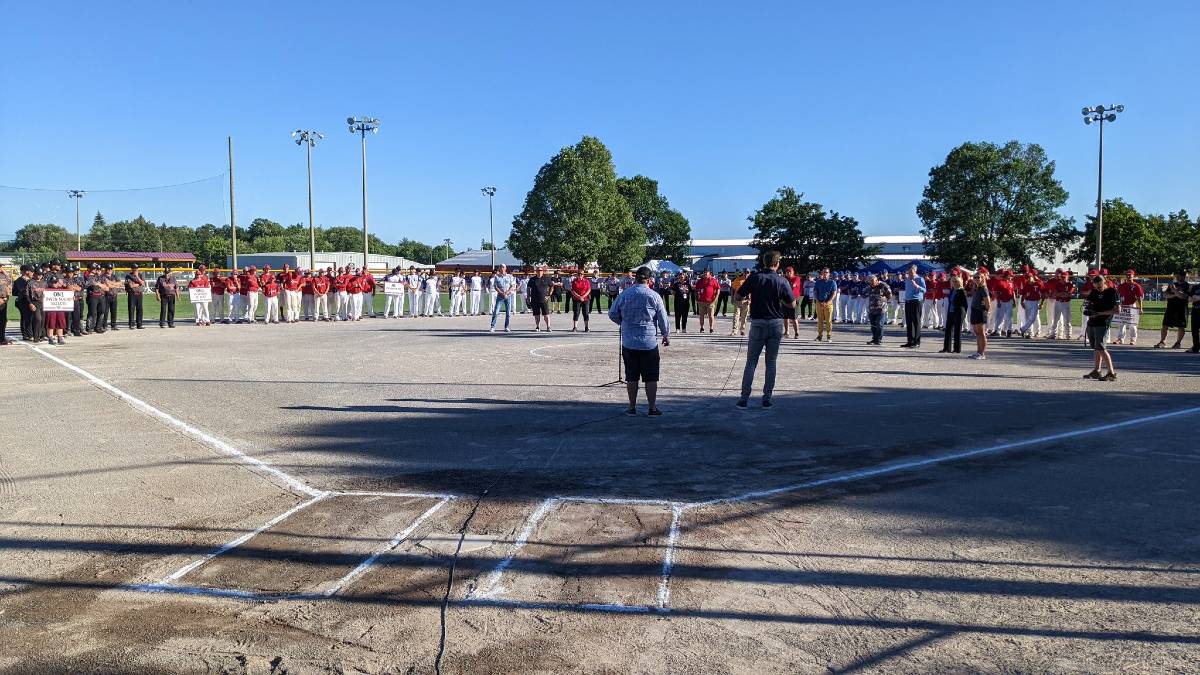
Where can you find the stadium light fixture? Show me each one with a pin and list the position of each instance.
(77, 195)
(361, 125)
(489, 192)
(1101, 114)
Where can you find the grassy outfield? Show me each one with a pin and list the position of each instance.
(1151, 317)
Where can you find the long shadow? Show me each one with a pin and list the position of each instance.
(386, 599)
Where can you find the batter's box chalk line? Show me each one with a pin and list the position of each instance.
(490, 590)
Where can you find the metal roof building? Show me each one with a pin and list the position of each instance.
(378, 264)
(125, 258)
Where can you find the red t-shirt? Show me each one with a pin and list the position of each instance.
(270, 289)
(306, 285)
(797, 283)
(290, 279)
(354, 285)
(367, 282)
(1130, 292)
(231, 284)
(1033, 289)
(340, 282)
(582, 286)
(1061, 290)
(707, 289)
(320, 285)
(249, 283)
(200, 281)
(1003, 290)
(218, 285)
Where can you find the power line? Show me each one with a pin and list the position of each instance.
(137, 189)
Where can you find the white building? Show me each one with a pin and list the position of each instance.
(728, 255)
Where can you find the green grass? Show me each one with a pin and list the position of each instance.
(1151, 317)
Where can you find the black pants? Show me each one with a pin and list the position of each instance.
(722, 303)
(584, 308)
(1196, 329)
(26, 320)
(95, 318)
(110, 305)
(77, 318)
(953, 340)
(166, 311)
(3, 320)
(39, 323)
(876, 326)
(806, 308)
(912, 321)
(133, 305)
(666, 298)
(596, 301)
(681, 315)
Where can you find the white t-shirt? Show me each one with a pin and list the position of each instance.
(456, 283)
(414, 281)
(476, 283)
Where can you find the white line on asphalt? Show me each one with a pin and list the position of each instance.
(366, 564)
(940, 459)
(180, 425)
(664, 585)
(490, 587)
(244, 538)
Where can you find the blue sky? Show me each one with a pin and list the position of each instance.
(851, 103)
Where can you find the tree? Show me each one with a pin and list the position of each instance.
(988, 204)
(667, 231)
(414, 250)
(808, 236)
(1149, 243)
(485, 245)
(99, 237)
(574, 214)
(262, 227)
(45, 238)
(138, 234)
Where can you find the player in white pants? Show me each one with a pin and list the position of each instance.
(843, 300)
(393, 297)
(415, 296)
(458, 294)
(475, 284)
(271, 311)
(1033, 316)
(1061, 290)
(433, 295)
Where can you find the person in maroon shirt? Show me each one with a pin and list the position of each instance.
(219, 306)
(320, 286)
(581, 301)
(705, 291)
(306, 295)
(234, 293)
(341, 307)
(367, 281)
(354, 287)
(248, 282)
(1131, 294)
(1033, 294)
(270, 290)
(1003, 293)
(789, 313)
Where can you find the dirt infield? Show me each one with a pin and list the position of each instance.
(291, 499)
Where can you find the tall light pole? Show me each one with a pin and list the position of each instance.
(77, 195)
(490, 192)
(446, 241)
(1101, 114)
(309, 140)
(232, 211)
(360, 126)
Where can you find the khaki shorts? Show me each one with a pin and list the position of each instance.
(704, 307)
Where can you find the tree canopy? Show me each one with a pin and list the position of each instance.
(667, 231)
(808, 236)
(989, 204)
(575, 214)
(1148, 243)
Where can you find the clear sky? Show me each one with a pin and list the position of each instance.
(722, 102)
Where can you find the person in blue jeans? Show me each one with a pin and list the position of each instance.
(769, 293)
(506, 288)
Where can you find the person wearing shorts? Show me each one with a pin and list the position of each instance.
(538, 298)
(642, 317)
(1102, 305)
(706, 291)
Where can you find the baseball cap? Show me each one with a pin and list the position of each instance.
(644, 273)
(1130, 272)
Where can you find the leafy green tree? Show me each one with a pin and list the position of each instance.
(1178, 243)
(667, 231)
(414, 250)
(574, 214)
(138, 234)
(808, 236)
(214, 251)
(344, 238)
(99, 237)
(485, 245)
(262, 227)
(43, 238)
(988, 204)
(1129, 241)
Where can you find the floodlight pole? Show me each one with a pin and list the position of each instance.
(490, 192)
(232, 212)
(361, 125)
(1100, 114)
(309, 139)
(77, 195)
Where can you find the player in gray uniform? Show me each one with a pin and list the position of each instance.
(413, 282)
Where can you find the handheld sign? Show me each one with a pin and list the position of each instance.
(1128, 316)
(200, 294)
(393, 288)
(58, 300)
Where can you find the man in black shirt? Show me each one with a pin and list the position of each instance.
(769, 293)
(538, 293)
(1102, 305)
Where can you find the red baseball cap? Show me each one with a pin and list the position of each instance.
(1104, 271)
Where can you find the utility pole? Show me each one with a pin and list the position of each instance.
(232, 212)
(361, 125)
(77, 195)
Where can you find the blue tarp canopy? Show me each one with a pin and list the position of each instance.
(878, 267)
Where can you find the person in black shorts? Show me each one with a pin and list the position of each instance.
(538, 298)
(643, 319)
(1102, 304)
(1175, 315)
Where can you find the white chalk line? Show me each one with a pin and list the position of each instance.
(490, 586)
(184, 427)
(664, 584)
(243, 539)
(417, 495)
(395, 541)
(940, 459)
